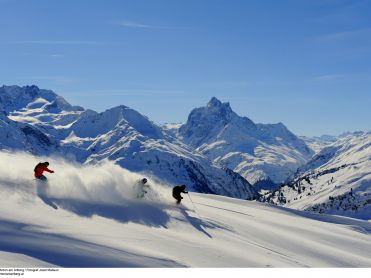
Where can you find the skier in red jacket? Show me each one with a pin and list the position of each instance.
(39, 170)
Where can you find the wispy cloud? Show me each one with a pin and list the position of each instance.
(342, 12)
(62, 42)
(132, 24)
(343, 77)
(56, 56)
(344, 35)
(329, 77)
(53, 55)
(342, 17)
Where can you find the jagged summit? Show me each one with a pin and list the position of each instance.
(216, 105)
(205, 123)
(256, 151)
(214, 102)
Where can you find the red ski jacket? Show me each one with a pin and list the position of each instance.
(41, 168)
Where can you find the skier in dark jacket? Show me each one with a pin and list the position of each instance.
(176, 192)
(39, 170)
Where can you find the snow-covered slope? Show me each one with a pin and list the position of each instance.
(337, 180)
(318, 143)
(20, 136)
(256, 151)
(86, 216)
(120, 134)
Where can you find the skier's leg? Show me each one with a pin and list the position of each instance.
(42, 178)
(140, 195)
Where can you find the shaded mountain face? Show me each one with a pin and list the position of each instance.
(24, 137)
(337, 180)
(214, 121)
(259, 152)
(120, 134)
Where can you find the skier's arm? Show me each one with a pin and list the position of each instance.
(48, 170)
(185, 191)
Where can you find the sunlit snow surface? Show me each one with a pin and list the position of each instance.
(88, 216)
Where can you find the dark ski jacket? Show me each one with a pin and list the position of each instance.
(177, 190)
(40, 168)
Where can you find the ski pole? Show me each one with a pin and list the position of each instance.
(199, 217)
(194, 206)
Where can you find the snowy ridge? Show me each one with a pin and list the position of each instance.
(15, 98)
(337, 180)
(80, 219)
(318, 143)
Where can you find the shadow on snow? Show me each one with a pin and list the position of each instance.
(138, 211)
(66, 251)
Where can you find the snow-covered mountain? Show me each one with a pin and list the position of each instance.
(261, 153)
(85, 216)
(15, 98)
(120, 134)
(337, 180)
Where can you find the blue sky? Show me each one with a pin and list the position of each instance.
(304, 63)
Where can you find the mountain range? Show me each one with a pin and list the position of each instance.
(215, 151)
(43, 123)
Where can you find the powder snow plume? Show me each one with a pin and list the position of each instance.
(75, 186)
